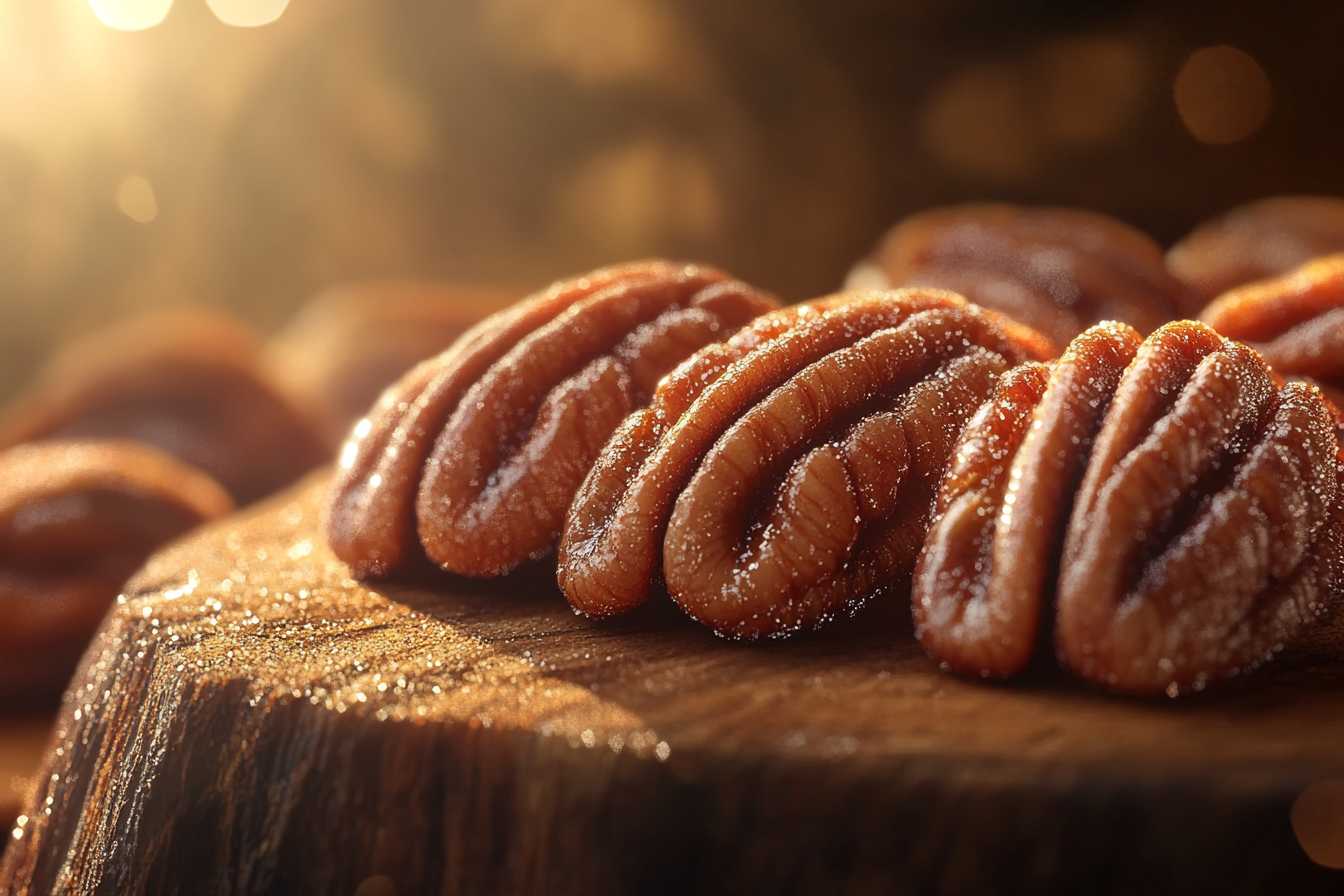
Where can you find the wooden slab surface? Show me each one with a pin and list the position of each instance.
(251, 720)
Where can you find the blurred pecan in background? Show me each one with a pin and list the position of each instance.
(483, 446)
(1204, 536)
(1256, 241)
(76, 519)
(334, 357)
(1059, 270)
(1296, 321)
(799, 481)
(183, 381)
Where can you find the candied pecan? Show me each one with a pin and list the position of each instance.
(515, 413)
(185, 382)
(1204, 534)
(1296, 321)
(987, 567)
(1059, 270)
(345, 346)
(76, 519)
(1256, 241)
(788, 478)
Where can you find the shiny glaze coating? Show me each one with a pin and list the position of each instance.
(476, 453)
(1204, 533)
(789, 484)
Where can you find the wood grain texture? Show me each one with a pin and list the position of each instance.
(227, 734)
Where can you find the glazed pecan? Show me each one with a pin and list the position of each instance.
(1256, 241)
(76, 519)
(344, 347)
(784, 479)
(1204, 534)
(481, 449)
(1058, 270)
(185, 382)
(1296, 321)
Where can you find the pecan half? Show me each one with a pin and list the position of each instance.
(1296, 321)
(1058, 270)
(481, 449)
(1256, 241)
(76, 519)
(1202, 537)
(784, 486)
(185, 382)
(987, 568)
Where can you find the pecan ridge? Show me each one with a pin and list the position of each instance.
(790, 487)
(479, 450)
(1204, 531)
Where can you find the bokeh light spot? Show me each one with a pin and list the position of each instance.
(1222, 94)
(130, 15)
(1318, 820)
(247, 13)
(135, 198)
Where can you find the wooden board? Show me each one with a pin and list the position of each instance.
(250, 720)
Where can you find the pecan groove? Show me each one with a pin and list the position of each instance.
(1202, 537)
(479, 451)
(790, 486)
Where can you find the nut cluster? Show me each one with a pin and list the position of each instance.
(1181, 508)
(476, 454)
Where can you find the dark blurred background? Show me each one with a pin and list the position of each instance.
(512, 141)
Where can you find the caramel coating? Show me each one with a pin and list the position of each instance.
(480, 450)
(1296, 321)
(1203, 536)
(185, 382)
(1059, 270)
(1256, 241)
(76, 519)
(986, 571)
(790, 476)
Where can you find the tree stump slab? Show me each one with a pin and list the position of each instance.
(251, 720)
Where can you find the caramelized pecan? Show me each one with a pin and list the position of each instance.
(480, 450)
(185, 382)
(987, 567)
(345, 346)
(1256, 241)
(1059, 270)
(1203, 536)
(76, 519)
(1296, 321)
(780, 488)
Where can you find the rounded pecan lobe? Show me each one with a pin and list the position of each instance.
(1195, 548)
(76, 519)
(479, 450)
(1059, 270)
(772, 502)
(1255, 241)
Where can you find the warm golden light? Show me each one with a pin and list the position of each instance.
(247, 13)
(135, 198)
(130, 15)
(1222, 94)
(1318, 820)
